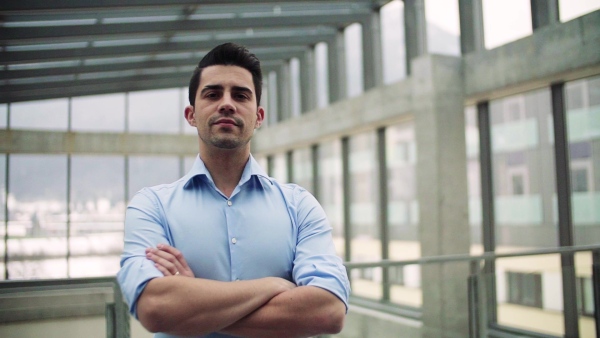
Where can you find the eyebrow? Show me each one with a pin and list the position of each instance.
(219, 87)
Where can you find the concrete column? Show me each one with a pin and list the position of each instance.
(544, 13)
(336, 65)
(415, 31)
(471, 26)
(308, 81)
(372, 54)
(283, 92)
(438, 105)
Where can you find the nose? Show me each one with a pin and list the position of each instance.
(227, 104)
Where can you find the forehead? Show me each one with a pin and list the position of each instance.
(226, 76)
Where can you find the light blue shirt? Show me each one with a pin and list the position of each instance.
(264, 229)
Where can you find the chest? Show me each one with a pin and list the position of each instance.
(249, 236)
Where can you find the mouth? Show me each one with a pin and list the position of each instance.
(225, 122)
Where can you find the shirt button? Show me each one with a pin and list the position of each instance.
(229, 203)
(234, 240)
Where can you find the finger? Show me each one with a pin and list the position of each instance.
(178, 255)
(162, 261)
(163, 270)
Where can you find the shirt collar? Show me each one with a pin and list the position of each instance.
(251, 169)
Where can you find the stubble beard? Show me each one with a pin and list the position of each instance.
(224, 139)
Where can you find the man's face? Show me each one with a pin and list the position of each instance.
(225, 112)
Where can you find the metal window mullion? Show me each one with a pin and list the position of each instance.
(289, 161)
(383, 209)
(346, 197)
(6, 177)
(314, 153)
(487, 205)
(68, 239)
(565, 222)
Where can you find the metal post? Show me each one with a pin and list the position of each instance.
(472, 285)
(122, 327)
(289, 163)
(314, 152)
(487, 204)
(346, 197)
(565, 222)
(415, 31)
(596, 288)
(6, 176)
(383, 209)
(544, 13)
(471, 26)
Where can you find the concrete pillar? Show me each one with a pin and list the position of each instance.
(544, 13)
(415, 31)
(308, 81)
(283, 92)
(471, 26)
(372, 54)
(336, 64)
(438, 103)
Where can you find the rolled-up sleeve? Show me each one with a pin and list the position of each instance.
(315, 262)
(143, 228)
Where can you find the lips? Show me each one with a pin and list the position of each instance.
(226, 121)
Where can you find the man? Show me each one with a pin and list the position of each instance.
(260, 252)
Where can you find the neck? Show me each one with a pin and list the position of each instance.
(225, 166)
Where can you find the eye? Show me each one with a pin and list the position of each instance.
(242, 96)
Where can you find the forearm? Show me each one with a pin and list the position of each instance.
(193, 306)
(300, 312)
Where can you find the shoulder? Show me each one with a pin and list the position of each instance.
(158, 192)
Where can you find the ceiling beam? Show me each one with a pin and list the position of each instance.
(308, 37)
(49, 34)
(54, 6)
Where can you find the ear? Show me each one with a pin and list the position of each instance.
(189, 114)
(260, 117)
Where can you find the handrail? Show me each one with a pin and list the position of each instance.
(479, 325)
(117, 316)
(468, 257)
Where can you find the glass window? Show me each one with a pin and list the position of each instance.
(443, 28)
(98, 113)
(155, 111)
(279, 169)
(392, 36)
(570, 9)
(97, 215)
(37, 220)
(3, 115)
(40, 115)
(525, 288)
(354, 60)
(505, 21)
(303, 173)
(523, 171)
(365, 235)
(473, 178)
(403, 212)
(582, 100)
(331, 191)
(147, 171)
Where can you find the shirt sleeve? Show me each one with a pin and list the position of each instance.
(143, 228)
(315, 262)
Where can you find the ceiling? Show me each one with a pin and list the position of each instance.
(51, 49)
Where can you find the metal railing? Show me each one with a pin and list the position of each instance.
(480, 325)
(85, 296)
(117, 316)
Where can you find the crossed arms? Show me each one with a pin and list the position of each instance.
(266, 307)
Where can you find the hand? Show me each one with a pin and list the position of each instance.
(169, 261)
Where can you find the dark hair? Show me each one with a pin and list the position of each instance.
(228, 54)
